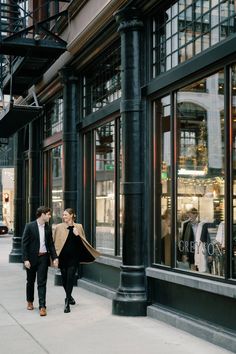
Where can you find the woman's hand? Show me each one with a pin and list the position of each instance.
(27, 264)
(75, 231)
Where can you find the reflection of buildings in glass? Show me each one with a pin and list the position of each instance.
(200, 126)
(8, 197)
(105, 188)
(56, 196)
(185, 30)
(201, 148)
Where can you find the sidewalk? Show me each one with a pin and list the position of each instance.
(88, 329)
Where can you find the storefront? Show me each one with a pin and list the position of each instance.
(138, 135)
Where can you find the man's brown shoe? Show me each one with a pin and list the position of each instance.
(30, 306)
(42, 311)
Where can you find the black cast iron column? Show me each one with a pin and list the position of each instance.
(34, 167)
(130, 298)
(16, 254)
(70, 119)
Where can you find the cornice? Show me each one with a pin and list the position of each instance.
(95, 26)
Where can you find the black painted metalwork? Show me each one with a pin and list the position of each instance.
(34, 168)
(130, 298)
(14, 117)
(29, 43)
(16, 254)
(70, 102)
(69, 139)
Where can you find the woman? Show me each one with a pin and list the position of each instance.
(72, 248)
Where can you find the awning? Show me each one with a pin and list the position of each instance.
(15, 117)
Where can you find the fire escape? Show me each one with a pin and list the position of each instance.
(29, 44)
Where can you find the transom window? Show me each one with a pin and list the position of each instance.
(101, 82)
(54, 117)
(187, 28)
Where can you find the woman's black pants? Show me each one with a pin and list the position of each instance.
(68, 278)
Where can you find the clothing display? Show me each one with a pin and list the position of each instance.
(196, 238)
(218, 263)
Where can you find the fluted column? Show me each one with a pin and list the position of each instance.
(34, 168)
(70, 143)
(16, 254)
(130, 298)
(70, 119)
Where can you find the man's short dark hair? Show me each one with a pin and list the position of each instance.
(42, 210)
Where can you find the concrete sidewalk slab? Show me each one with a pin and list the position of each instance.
(88, 328)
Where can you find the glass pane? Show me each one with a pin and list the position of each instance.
(105, 188)
(234, 166)
(162, 163)
(215, 36)
(201, 22)
(215, 17)
(57, 197)
(54, 117)
(200, 171)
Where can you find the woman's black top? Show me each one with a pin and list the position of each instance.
(70, 252)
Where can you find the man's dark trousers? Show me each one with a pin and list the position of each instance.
(41, 270)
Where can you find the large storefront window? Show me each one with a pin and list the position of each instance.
(188, 27)
(197, 200)
(105, 188)
(56, 180)
(233, 85)
(108, 206)
(200, 176)
(162, 145)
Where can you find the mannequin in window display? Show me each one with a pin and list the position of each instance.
(195, 239)
(165, 237)
(219, 251)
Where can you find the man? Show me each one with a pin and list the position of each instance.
(37, 247)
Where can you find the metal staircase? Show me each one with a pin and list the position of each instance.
(29, 44)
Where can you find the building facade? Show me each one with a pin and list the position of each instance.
(138, 134)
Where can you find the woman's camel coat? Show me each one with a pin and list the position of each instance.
(87, 253)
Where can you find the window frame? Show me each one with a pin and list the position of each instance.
(228, 169)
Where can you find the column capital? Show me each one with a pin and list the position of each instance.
(129, 19)
(66, 74)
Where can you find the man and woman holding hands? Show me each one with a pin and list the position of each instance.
(66, 246)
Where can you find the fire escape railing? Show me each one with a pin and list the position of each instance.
(26, 32)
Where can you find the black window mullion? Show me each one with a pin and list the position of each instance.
(173, 123)
(228, 173)
(117, 187)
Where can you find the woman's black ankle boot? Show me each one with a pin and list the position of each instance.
(67, 305)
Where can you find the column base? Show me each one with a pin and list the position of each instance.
(130, 307)
(130, 298)
(15, 255)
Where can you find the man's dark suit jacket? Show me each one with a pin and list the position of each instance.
(31, 243)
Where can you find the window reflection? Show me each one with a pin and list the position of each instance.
(234, 166)
(56, 196)
(105, 188)
(54, 117)
(200, 24)
(200, 176)
(162, 162)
